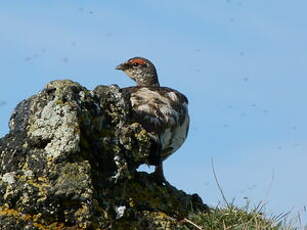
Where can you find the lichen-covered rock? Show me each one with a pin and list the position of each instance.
(70, 160)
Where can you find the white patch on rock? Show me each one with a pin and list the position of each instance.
(28, 173)
(121, 167)
(9, 177)
(120, 211)
(59, 124)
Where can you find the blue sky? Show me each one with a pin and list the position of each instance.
(241, 63)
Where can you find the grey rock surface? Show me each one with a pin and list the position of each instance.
(70, 160)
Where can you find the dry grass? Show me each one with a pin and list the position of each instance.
(230, 217)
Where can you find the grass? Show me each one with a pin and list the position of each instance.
(230, 217)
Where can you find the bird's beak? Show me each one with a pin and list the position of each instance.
(122, 66)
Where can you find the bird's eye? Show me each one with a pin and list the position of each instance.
(135, 64)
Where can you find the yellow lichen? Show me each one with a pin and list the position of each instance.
(4, 211)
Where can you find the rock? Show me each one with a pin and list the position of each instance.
(70, 160)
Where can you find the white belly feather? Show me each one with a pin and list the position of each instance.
(158, 110)
(172, 140)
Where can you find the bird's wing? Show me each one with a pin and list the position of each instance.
(157, 108)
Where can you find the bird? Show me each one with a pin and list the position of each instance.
(162, 111)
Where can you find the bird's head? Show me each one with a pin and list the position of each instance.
(140, 70)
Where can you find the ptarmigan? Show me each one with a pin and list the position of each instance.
(162, 111)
